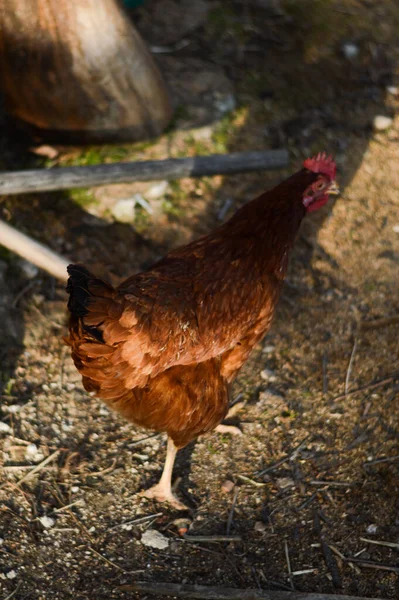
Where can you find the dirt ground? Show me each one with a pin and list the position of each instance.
(315, 475)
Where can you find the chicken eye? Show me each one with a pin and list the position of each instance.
(319, 186)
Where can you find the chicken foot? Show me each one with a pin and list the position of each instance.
(162, 491)
(232, 429)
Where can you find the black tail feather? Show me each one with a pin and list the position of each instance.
(78, 289)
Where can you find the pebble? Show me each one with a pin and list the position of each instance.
(285, 482)
(154, 539)
(396, 228)
(382, 123)
(268, 375)
(158, 190)
(182, 525)
(33, 454)
(12, 408)
(228, 486)
(11, 574)
(47, 522)
(4, 427)
(350, 50)
(371, 529)
(124, 210)
(268, 349)
(393, 90)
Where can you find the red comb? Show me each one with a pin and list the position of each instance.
(321, 163)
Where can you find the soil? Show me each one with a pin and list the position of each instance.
(315, 476)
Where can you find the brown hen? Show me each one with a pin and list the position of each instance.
(163, 346)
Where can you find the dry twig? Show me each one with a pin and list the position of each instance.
(381, 543)
(285, 459)
(287, 559)
(216, 593)
(369, 386)
(38, 468)
(212, 538)
(231, 513)
(350, 366)
(136, 521)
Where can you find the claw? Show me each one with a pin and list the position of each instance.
(228, 429)
(160, 494)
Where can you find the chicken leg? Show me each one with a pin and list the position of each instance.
(162, 491)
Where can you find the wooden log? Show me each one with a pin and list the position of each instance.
(78, 71)
(33, 251)
(216, 593)
(21, 182)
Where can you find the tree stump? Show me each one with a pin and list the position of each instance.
(78, 71)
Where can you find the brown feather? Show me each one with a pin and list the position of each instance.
(162, 347)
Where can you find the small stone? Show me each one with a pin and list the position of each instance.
(268, 375)
(396, 228)
(124, 210)
(371, 529)
(350, 50)
(393, 90)
(74, 489)
(285, 482)
(47, 522)
(268, 349)
(158, 190)
(4, 428)
(182, 525)
(33, 454)
(260, 526)
(11, 574)
(382, 123)
(12, 408)
(228, 486)
(154, 539)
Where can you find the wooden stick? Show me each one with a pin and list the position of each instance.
(33, 251)
(212, 538)
(216, 593)
(38, 468)
(40, 180)
(364, 388)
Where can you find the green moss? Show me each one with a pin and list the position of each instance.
(8, 387)
(223, 133)
(83, 197)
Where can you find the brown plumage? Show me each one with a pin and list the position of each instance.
(163, 346)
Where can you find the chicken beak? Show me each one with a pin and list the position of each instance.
(333, 190)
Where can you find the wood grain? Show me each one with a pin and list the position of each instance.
(40, 180)
(79, 68)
